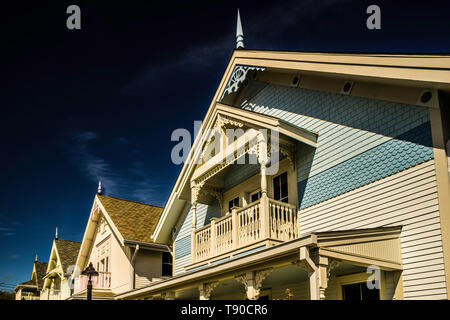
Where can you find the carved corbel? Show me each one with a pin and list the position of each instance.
(289, 152)
(215, 192)
(206, 289)
(260, 276)
(253, 282)
(332, 264)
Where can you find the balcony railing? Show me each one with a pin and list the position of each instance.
(264, 219)
(102, 281)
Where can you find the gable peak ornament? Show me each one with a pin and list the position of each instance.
(239, 33)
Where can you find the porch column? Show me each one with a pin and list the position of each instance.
(264, 204)
(195, 190)
(194, 225)
(317, 268)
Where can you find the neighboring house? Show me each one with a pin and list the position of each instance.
(362, 187)
(58, 283)
(31, 289)
(117, 242)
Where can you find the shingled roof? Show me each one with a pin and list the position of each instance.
(135, 221)
(67, 252)
(41, 270)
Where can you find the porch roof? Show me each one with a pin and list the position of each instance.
(362, 247)
(30, 284)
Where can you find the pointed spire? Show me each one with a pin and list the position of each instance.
(239, 33)
(35, 260)
(56, 233)
(99, 190)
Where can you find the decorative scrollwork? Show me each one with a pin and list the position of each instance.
(237, 77)
(207, 289)
(332, 265)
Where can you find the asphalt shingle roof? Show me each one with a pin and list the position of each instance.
(41, 271)
(135, 221)
(68, 252)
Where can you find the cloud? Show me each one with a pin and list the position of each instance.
(131, 181)
(267, 28)
(196, 60)
(8, 229)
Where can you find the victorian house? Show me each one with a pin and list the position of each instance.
(31, 289)
(117, 242)
(58, 281)
(325, 174)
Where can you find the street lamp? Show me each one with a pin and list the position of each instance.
(89, 271)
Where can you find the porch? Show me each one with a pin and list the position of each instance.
(349, 264)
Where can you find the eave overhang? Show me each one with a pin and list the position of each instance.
(427, 71)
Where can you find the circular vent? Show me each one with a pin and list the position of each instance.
(347, 87)
(426, 96)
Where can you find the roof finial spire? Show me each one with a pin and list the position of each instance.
(99, 190)
(56, 233)
(35, 259)
(239, 33)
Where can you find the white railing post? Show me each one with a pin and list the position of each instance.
(212, 240)
(264, 211)
(234, 228)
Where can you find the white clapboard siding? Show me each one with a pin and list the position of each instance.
(409, 199)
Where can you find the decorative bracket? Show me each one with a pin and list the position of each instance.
(253, 282)
(237, 77)
(289, 152)
(207, 288)
(331, 266)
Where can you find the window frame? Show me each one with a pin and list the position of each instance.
(286, 198)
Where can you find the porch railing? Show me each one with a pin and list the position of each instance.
(102, 281)
(54, 294)
(263, 219)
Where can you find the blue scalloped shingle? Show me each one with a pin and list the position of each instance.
(395, 155)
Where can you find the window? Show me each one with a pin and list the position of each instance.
(233, 203)
(359, 291)
(103, 252)
(280, 187)
(167, 264)
(255, 196)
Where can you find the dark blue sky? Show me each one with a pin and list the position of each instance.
(102, 102)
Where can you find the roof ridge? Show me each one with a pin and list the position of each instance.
(150, 205)
(67, 240)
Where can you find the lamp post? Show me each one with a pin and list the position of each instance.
(89, 271)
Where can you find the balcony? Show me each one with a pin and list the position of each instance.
(265, 219)
(102, 281)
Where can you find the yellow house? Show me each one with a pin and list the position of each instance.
(58, 278)
(333, 182)
(31, 289)
(117, 242)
